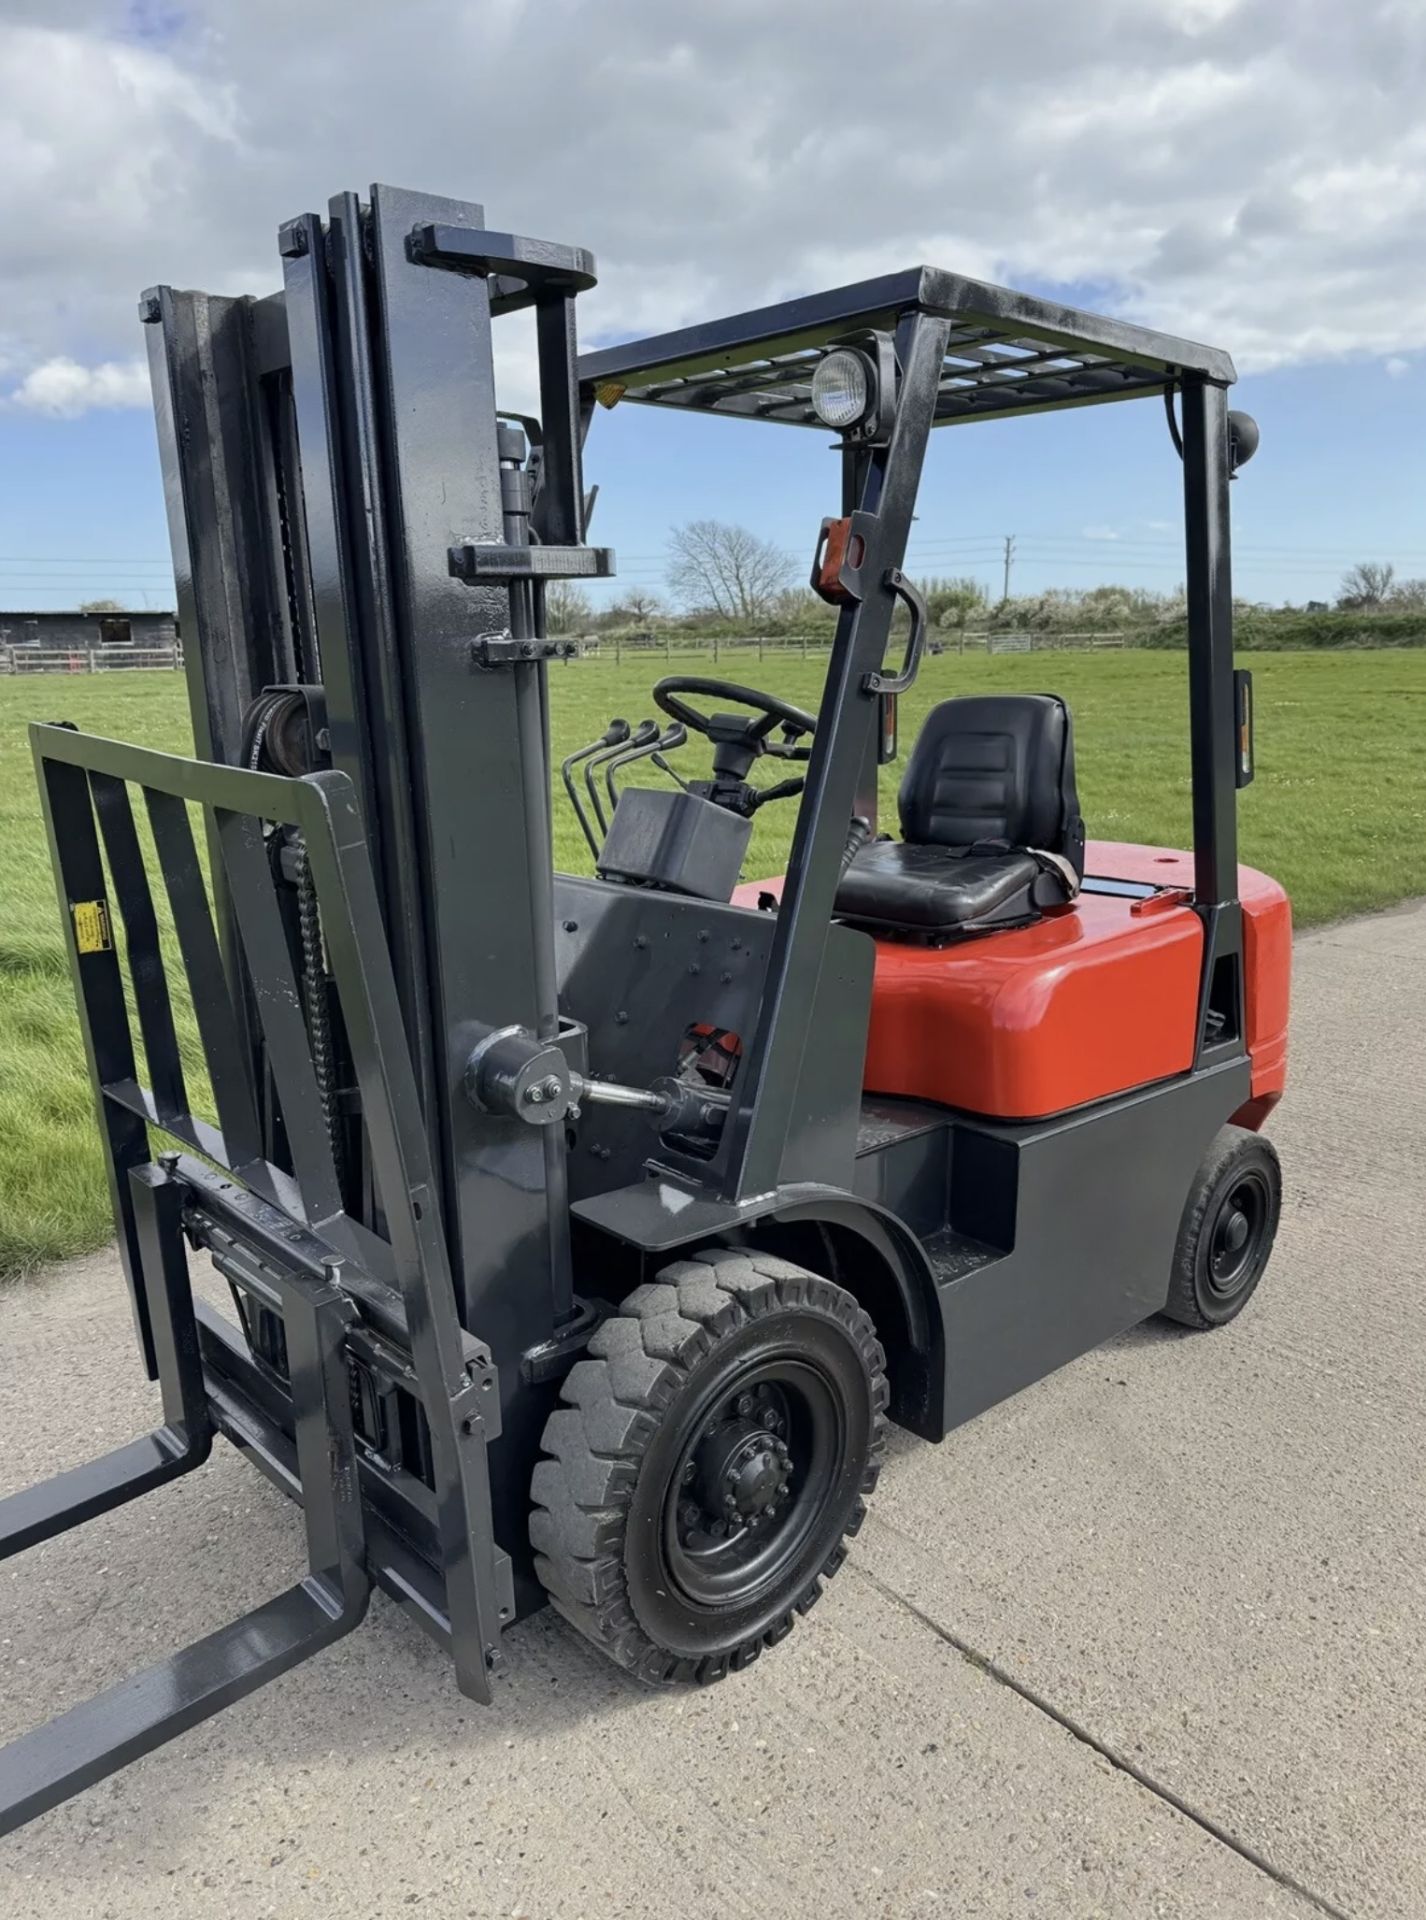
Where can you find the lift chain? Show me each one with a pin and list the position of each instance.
(314, 999)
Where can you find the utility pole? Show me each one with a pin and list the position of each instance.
(1009, 556)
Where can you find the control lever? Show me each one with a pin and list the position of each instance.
(675, 737)
(614, 735)
(644, 735)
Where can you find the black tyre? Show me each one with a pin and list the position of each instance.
(712, 1456)
(1227, 1231)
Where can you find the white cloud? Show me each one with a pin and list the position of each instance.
(1236, 171)
(1100, 533)
(64, 388)
(1397, 368)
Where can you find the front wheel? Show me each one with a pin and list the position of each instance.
(1227, 1231)
(712, 1456)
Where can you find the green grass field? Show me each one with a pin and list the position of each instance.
(1338, 813)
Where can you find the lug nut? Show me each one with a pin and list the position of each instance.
(745, 1404)
(690, 1471)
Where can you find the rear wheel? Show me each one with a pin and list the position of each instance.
(1227, 1231)
(714, 1453)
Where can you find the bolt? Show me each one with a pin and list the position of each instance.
(169, 1162)
(693, 967)
(571, 926)
(769, 1419)
(726, 977)
(702, 934)
(745, 1404)
(688, 1513)
(641, 940)
(552, 1086)
(621, 1018)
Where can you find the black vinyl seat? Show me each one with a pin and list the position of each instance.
(990, 822)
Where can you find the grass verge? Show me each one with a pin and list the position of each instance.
(1338, 814)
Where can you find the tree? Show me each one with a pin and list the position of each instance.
(101, 606)
(641, 606)
(633, 609)
(1367, 585)
(725, 570)
(950, 603)
(568, 608)
(1407, 596)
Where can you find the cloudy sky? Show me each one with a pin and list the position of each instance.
(1249, 173)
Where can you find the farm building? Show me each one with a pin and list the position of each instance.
(73, 628)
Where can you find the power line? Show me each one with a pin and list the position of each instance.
(79, 559)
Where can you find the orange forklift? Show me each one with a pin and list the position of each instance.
(583, 1233)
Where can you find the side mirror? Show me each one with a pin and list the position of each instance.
(886, 729)
(1243, 438)
(1242, 727)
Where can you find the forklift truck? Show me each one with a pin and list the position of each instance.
(583, 1234)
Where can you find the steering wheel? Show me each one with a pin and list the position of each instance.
(754, 733)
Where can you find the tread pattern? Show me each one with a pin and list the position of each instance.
(640, 1359)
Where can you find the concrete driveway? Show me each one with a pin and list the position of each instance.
(1148, 1641)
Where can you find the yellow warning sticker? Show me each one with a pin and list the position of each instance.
(610, 392)
(91, 926)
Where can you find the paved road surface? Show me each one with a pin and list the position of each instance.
(1148, 1641)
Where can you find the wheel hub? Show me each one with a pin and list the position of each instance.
(755, 1473)
(740, 1473)
(1236, 1231)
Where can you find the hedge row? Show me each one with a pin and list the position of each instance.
(1292, 631)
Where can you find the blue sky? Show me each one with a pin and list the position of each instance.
(1244, 172)
(1091, 495)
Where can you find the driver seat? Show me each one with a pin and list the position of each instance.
(990, 822)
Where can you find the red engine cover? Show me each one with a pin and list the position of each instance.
(1094, 999)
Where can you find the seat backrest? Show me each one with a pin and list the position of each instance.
(995, 767)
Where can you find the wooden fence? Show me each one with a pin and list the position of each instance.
(664, 643)
(87, 659)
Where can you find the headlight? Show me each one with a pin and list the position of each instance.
(844, 389)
